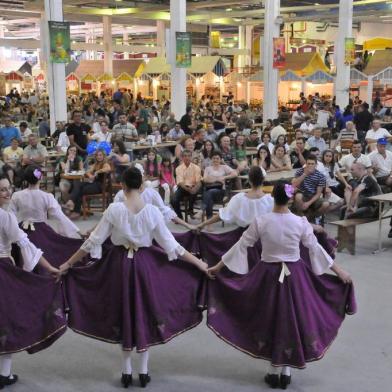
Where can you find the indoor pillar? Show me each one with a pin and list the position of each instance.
(108, 45)
(55, 73)
(271, 30)
(342, 69)
(161, 31)
(178, 75)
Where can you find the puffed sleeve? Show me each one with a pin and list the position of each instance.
(102, 231)
(30, 253)
(167, 212)
(320, 260)
(65, 226)
(120, 197)
(236, 259)
(165, 238)
(227, 214)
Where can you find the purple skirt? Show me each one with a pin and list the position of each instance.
(287, 324)
(31, 310)
(214, 246)
(138, 302)
(57, 248)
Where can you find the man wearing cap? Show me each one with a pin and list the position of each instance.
(376, 133)
(382, 163)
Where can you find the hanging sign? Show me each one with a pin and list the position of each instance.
(215, 39)
(183, 50)
(349, 50)
(60, 42)
(279, 48)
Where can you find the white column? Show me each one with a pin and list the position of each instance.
(342, 69)
(55, 73)
(125, 42)
(161, 32)
(108, 45)
(178, 75)
(90, 39)
(241, 45)
(247, 96)
(2, 31)
(248, 44)
(271, 30)
(369, 98)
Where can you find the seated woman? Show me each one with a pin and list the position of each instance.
(280, 161)
(167, 181)
(282, 141)
(263, 159)
(152, 169)
(266, 141)
(119, 157)
(12, 157)
(206, 154)
(71, 162)
(240, 160)
(214, 180)
(93, 184)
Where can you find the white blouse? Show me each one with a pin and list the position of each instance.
(11, 233)
(34, 205)
(132, 231)
(280, 235)
(150, 196)
(241, 210)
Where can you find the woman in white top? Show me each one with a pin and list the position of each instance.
(158, 290)
(25, 297)
(282, 311)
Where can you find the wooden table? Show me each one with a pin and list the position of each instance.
(139, 147)
(70, 176)
(381, 199)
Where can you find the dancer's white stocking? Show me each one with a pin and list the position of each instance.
(143, 366)
(127, 362)
(5, 365)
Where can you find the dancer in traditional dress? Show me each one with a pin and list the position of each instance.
(151, 196)
(283, 311)
(134, 297)
(33, 208)
(31, 310)
(241, 211)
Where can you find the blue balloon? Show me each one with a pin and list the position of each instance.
(91, 147)
(105, 146)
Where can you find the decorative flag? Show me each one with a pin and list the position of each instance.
(349, 50)
(279, 47)
(60, 42)
(183, 50)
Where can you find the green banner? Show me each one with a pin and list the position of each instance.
(60, 42)
(183, 50)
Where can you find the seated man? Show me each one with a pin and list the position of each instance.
(316, 140)
(357, 203)
(376, 133)
(382, 163)
(34, 153)
(188, 178)
(299, 154)
(356, 156)
(310, 184)
(124, 130)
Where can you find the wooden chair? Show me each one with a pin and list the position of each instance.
(105, 198)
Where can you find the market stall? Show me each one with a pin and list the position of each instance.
(290, 86)
(13, 80)
(377, 43)
(359, 84)
(124, 81)
(320, 82)
(72, 83)
(378, 72)
(88, 83)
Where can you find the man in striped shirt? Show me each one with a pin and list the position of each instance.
(310, 185)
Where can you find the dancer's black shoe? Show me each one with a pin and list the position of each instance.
(126, 380)
(272, 380)
(284, 381)
(144, 380)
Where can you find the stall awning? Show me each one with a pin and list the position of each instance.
(124, 77)
(88, 78)
(96, 67)
(380, 60)
(105, 78)
(154, 67)
(72, 76)
(357, 76)
(201, 65)
(319, 77)
(385, 76)
(304, 64)
(14, 76)
(290, 76)
(377, 44)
